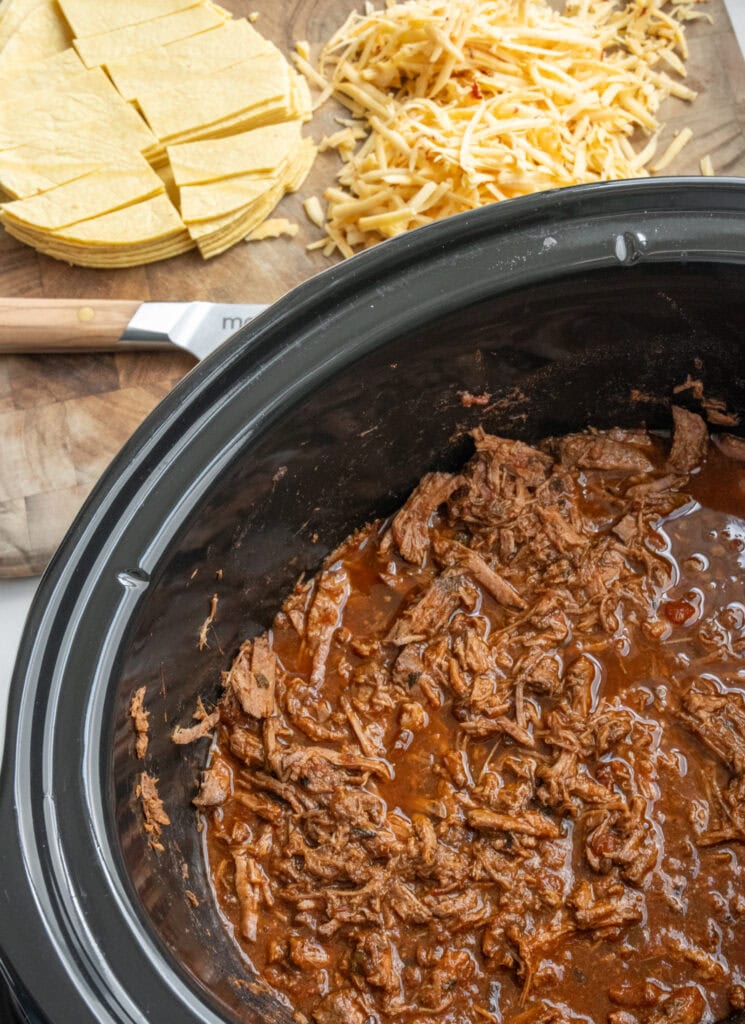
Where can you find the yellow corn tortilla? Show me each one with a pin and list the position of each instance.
(255, 214)
(222, 198)
(14, 11)
(77, 155)
(59, 73)
(123, 43)
(277, 227)
(117, 147)
(166, 176)
(12, 14)
(108, 188)
(234, 37)
(218, 235)
(216, 200)
(213, 232)
(57, 244)
(205, 100)
(147, 225)
(29, 169)
(44, 115)
(246, 121)
(150, 220)
(92, 17)
(214, 237)
(257, 151)
(94, 92)
(99, 235)
(284, 110)
(302, 102)
(46, 135)
(218, 227)
(95, 260)
(41, 34)
(203, 54)
(302, 165)
(107, 258)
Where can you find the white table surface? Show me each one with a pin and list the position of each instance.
(15, 598)
(15, 595)
(736, 9)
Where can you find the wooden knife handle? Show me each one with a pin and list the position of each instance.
(63, 325)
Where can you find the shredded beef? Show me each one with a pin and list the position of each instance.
(246, 889)
(597, 905)
(324, 618)
(140, 718)
(690, 440)
(731, 446)
(204, 631)
(251, 678)
(410, 527)
(342, 1007)
(478, 569)
(604, 452)
(153, 810)
(216, 786)
(199, 731)
(684, 1006)
(489, 764)
(529, 823)
(719, 721)
(427, 615)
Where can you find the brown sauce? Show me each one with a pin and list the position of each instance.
(488, 765)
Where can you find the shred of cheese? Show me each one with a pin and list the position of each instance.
(681, 139)
(314, 211)
(459, 103)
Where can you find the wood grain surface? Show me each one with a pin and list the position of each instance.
(63, 418)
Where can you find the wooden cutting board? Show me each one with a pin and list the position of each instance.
(63, 418)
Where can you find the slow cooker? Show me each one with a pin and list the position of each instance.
(583, 306)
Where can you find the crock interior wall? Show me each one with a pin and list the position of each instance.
(556, 358)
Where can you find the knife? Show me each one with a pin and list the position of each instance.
(116, 325)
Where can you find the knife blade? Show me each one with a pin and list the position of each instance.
(198, 327)
(106, 325)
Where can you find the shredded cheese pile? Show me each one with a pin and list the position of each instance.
(461, 103)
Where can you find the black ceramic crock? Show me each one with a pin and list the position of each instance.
(584, 306)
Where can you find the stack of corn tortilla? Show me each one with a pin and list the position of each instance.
(133, 130)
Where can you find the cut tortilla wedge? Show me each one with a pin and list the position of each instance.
(225, 197)
(41, 34)
(27, 170)
(103, 190)
(99, 258)
(120, 44)
(225, 232)
(203, 101)
(257, 151)
(45, 133)
(203, 54)
(92, 17)
(58, 73)
(149, 230)
(94, 98)
(206, 203)
(13, 13)
(214, 237)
